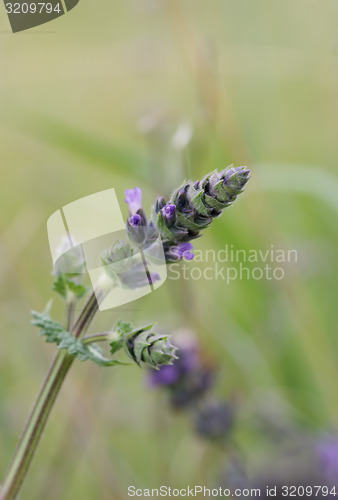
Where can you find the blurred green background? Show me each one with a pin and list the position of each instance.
(92, 101)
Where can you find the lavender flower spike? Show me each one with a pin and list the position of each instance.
(198, 203)
(133, 198)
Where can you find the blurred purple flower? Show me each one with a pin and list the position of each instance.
(183, 250)
(133, 198)
(166, 375)
(187, 379)
(328, 456)
(214, 420)
(186, 363)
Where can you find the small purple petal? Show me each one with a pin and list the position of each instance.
(133, 197)
(135, 220)
(183, 250)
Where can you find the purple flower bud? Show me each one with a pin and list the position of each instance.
(182, 251)
(168, 211)
(135, 220)
(159, 204)
(133, 197)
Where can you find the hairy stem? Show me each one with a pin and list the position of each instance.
(41, 410)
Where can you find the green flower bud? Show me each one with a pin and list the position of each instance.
(145, 346)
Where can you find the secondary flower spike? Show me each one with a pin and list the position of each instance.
(194, 205)
(144, 346)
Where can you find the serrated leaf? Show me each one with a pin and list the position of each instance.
(55, 333)
(49, 328)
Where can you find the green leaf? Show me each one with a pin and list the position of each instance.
(97, 355)
(116, 345)
(165, 232)
(123, 327)
(78, 290)
(55, 333)
(52, 330)
(64, 285)
(59, 286)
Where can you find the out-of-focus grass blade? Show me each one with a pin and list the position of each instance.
(293, 178)
(87, 146)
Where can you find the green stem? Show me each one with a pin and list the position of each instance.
(86, 315)
(69, 314)
(99, 337)
(41, 410)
